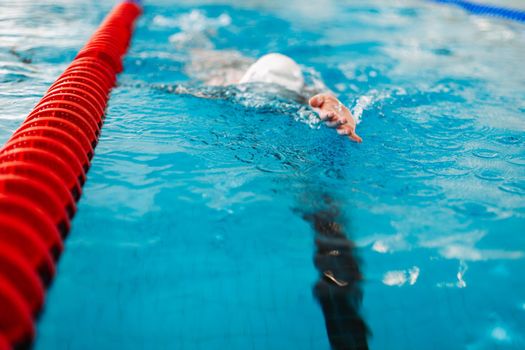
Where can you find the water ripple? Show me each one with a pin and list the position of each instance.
(490, 174)
(485, 153)
(514, 187)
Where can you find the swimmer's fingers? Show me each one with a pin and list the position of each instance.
(350, 132)
(336, 121)
(354, 137)
(327, 116)
(316, 101)
(342, 131)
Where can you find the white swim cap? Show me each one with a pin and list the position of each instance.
(278, 69)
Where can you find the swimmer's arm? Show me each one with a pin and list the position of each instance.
(335, 114)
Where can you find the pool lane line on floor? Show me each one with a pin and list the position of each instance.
(486, 9)
(43, 167)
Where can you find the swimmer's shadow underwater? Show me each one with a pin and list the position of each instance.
(338, 289)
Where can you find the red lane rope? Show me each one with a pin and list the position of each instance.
(42, 169)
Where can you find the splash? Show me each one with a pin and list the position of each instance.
(401, 277)
(368, 101)
(463, 267)
(264, 98)
(195, 28)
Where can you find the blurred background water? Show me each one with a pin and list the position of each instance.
(211, 223)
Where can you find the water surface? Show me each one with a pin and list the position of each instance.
(211, 223)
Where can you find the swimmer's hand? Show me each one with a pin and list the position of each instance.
(335, 114)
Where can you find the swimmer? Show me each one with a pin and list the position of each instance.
(275, 68)
(222, 68)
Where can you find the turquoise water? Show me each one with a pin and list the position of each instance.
(216, 223)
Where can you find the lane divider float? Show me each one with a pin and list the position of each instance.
(487, 9)
(42, 169)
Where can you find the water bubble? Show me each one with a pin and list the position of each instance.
(508, 140)
(516, 187)
(490, 175)
(485, 153)
(474, 135)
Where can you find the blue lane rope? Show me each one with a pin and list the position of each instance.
(487, 10)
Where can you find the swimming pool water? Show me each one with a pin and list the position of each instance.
(196, 226)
